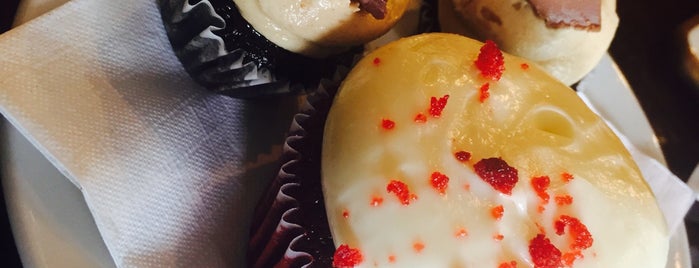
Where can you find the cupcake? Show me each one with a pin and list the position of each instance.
(441, 151)
(565, 38)
(263, 48)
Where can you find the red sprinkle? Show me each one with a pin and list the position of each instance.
(567, 177)
(563, 200)
(569, 258)
(347, 257)
(497, 173)
(462, 156)
(392, 258)
(497, 212)
(376, 201)
(540, 185)
(401, 190)
(387, 124)
(498, 237)
(439, 182)
(345, 214)
(512, 264)
(420, 118)
(543, 253)
(483, 92)
(490, 61)
(437, 105)
(580, 236)
(377, 61)
(461, 233)
(418, 247)
(524, 66)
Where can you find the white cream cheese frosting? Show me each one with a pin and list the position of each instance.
(566, 53)
(317, 27)
(383, 133)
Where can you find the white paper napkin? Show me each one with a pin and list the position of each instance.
(169, 172)
(674, 197)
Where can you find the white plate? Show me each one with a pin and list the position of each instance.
(53, 227)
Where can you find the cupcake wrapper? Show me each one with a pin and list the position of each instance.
(290, 226)
(222, 52)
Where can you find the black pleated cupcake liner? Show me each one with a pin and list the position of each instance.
(225, 54)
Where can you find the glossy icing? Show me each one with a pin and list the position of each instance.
(534, 123)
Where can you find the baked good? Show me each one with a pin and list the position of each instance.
(690, 47)
(441, 151)
(565, 38)
(247, 48)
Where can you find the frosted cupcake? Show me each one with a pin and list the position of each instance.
(247, 48)
(441, 151)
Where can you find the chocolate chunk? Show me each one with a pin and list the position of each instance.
(489, 15)
(377, 8)
(581, 14)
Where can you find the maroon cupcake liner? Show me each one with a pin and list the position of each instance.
(290, 227)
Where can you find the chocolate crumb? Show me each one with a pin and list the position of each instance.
(580, 14)
(377, 8)
(517, 6)
(489, 15)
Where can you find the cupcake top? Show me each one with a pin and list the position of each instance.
(565, 38)
(440, 151)
(318, 28)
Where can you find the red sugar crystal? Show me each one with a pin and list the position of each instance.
(439, 182)
(567, 177)
(497, 212)
(580, 236)
(420, 118)
(498, 237)
(543, 253)
(401, 190)
(347, 257)
(540, 185)
(461, 233)
(497, 173)
(418, 247)
(483, 92)
(490, 61)
(512, 264)
(462, 156)
(437, 105)
(563, 200)
(376, 201)
(387, 124)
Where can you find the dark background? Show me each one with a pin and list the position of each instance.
(648, 47)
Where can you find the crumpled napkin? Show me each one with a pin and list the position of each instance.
(170, 172)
